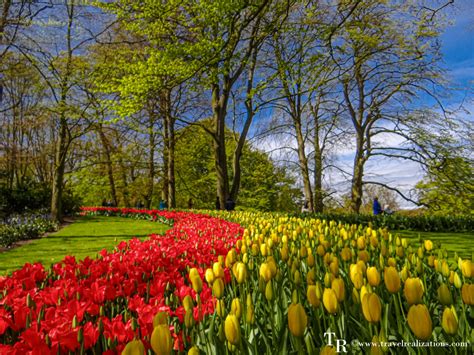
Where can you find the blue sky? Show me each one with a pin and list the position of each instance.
(458, 49)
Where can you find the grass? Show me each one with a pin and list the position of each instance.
(461, 243)
(85, 237)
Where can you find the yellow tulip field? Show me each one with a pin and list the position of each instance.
(314, 286)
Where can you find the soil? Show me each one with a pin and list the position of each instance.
(66, 221)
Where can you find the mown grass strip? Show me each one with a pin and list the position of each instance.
(85, 237)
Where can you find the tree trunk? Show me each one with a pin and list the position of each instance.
(171, 167)
(166, 138)
(303, 161)
(219, 104)
(234, 191)
(169, 151)
(58, 173)
(151, 163)
(108, 163)
(318, 160)
(318, 177)
(356, 185)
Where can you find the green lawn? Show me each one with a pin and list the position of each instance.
(85, 237)
(462, 243)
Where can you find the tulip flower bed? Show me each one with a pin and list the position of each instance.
(281, 285)
(98, 306)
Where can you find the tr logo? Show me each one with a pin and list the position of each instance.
(340, 343)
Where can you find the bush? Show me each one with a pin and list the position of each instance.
(33, 197)
(424, 223)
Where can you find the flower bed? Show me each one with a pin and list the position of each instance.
(23, 227)
(284, 284)
(101, 305)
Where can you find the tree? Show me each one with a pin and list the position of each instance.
(387, 54)
(305, 90)
(448, 187)
(264, 185)
(214, 41)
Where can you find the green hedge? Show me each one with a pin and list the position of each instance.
(424, 223)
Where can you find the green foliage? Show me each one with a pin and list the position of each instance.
(264, 186)
(34, 196)
(449, 187)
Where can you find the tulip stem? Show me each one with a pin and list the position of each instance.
(401, 306)
(397, 312)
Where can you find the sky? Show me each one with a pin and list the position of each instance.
(457, 45)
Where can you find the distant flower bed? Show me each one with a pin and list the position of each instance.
(101, 305)
(25, 226)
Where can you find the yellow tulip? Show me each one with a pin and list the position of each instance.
(373, 276)
(428, 245)
(444, 295)
(232, 329)
(362, 266)
(269, 291)
(312, 296)
(297, 277)
(311, 260)
(467, 294)
(338, 286)
(361, 243)
(311, 277)
(240, 272)
(265, 272)
(457, 281)
(371, 307)
(134, 347)
(160, 318)
(445, 269)
(413, 290)
(161, 341)
(284, 253)
(419, 321)
(363, 255)
(188, 302)
(346, 254)
(355, 296)
(209, 276)
(220, 308)
(250, 313)
(328, 350)
(218, 288)
(193, 351)
(236, 307)
(356, 276)
(297, 319)
(450, 321)
(230, 258)
(196, 282)
(391, 279)
(330, 300)
(334, 267)
(466, 268)
(376, 347)
(217, 270)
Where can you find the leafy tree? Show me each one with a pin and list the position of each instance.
(264, 186)
(448, 187)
